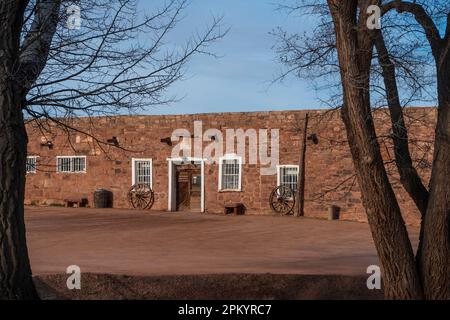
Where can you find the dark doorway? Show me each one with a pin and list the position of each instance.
(188, 187)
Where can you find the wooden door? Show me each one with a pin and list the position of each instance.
(183, 190)
(189, 189)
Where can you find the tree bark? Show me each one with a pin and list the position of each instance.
(354, 47)
(409, 177)
(15, 271)
(435, 259)
(302, 171)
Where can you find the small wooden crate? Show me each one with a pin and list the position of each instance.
(78, 202)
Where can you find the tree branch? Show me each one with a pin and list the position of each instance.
(408, 174)
(421, 16)
(36, 46)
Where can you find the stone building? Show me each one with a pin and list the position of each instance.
(113, 153)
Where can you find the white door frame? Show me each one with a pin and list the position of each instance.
(171, 195)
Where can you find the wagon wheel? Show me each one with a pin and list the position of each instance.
(141, 196)
(282, 200)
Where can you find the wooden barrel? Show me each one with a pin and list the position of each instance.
(103, 198)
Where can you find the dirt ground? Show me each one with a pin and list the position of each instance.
(114, 242)
(209, 287)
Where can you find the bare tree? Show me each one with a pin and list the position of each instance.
(56, 65)
(314, 56)
(354, 47)
(434, 262)
(346, 45)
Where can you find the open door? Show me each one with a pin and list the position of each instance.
(188, 181)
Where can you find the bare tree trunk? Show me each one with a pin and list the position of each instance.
(388, 228)
(354, 47)
(302, 170)
(409, 177)
(435, 260)
(408, 174)
(15, 272)
(434, 257)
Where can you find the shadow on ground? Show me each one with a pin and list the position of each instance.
(210, 287)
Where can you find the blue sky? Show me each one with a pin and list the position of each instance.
(240, 79)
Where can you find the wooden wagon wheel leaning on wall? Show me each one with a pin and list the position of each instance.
(141, 196)
(282, 200)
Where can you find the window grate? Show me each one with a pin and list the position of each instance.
(31, 164)
(289, 177)
(71, 164)
(143, 171)
(230, 174)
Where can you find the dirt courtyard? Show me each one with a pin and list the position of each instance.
(140, 243)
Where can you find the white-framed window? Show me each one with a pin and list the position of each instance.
(31, 164)
(142, 171)
(230, 173)
(288, 176)
(71, 164)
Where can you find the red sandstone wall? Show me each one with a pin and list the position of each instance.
(329, 171)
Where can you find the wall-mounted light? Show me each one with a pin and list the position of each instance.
(113, 141)
(167, 141)
(313, 137)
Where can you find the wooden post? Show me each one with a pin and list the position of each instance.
(301, 171)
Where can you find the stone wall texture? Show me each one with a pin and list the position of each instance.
(330, 176)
